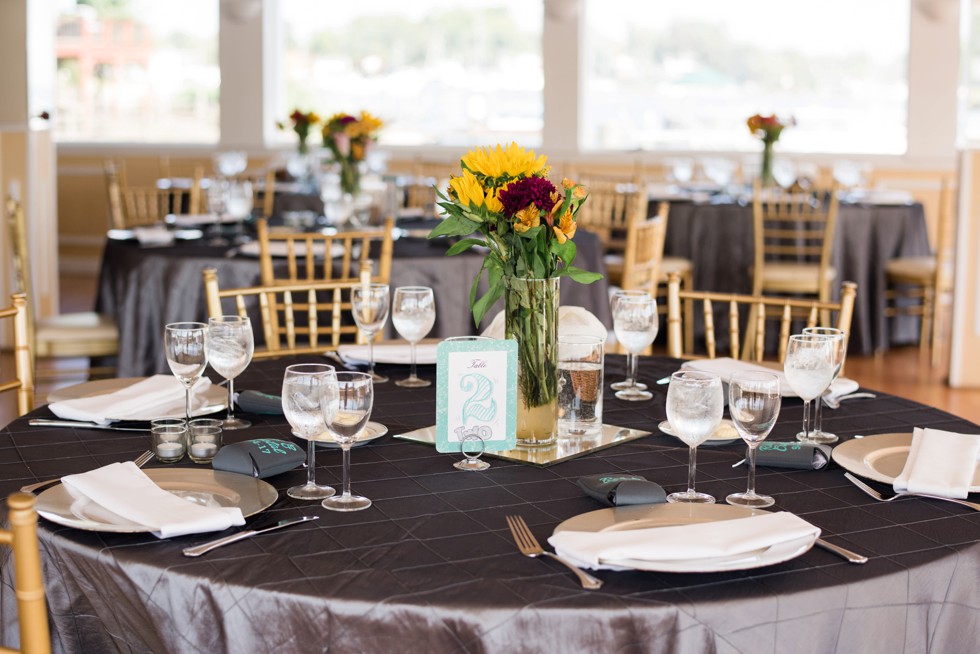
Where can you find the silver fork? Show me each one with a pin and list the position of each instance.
(529, 546)
(140, 461)
(881, 498)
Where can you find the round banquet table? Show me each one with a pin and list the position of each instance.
(431, 566)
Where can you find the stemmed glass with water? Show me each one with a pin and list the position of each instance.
(818, 435)
(369, 304)
(809, 367)
(355, 401)
(635, 321)
(694, 407)
(309, 402)
(413, 313)
(229, 344)
(753, 402)
(238, 202)
(186, 356)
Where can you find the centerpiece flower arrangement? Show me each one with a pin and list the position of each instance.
(301, 124)
(504, 202)
(767, 129)
(349, 139)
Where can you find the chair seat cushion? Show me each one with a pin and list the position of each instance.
(675, 265)
(798, 277)
(76, 334)
(912, 268)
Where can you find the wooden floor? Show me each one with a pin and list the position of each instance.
(901, 371)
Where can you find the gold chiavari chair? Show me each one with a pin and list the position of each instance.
(923, 286)
(608, 210)
(28, 582)
(134, 206)
(794, 236)
(305, 317)
(339, 257)
(753, 311)
(639, 268)
(23, 379)
(69, 335)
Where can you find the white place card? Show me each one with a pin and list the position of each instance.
(476, 394)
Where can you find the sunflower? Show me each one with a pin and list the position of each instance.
(502, 165)
(469, 192)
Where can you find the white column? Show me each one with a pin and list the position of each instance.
(561, 50)
(934, 55)
(241, 45)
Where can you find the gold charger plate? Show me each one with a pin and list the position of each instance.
(216, 398)
(881, 457)
(201, 486)
(649, 516)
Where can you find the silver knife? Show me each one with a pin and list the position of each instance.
(78, 424)
(852, 557)
(198, 550)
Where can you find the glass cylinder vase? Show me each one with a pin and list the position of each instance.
(531, 318)
(765, 174)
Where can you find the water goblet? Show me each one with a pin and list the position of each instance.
(309, 402)
(753, 402)
(239, 201)
(355, 400)
(818, 435)
(229, 345)
(216, 205)
(694, 408)
(186, 355)
(621, 385)
(635, 321)
(369, 304)
(809, 368)
(413, 313)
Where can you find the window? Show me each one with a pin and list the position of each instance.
(667, 75)
(436, 72)
(138, 71)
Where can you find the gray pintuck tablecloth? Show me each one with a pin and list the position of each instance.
(431, 566)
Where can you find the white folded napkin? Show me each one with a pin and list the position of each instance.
(571, 321)
(153, 396)
(153, 235)
(397, 353)
(726, 367)
(706, 540)
(940, 463)
(125, 490)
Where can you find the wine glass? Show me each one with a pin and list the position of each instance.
(356, 397)
(635, 321)
(184, 344)
(413, 313)
(694, 407)
(753, 402)
(216, 205)
(620, 385)
(238, 201)
(309, 402)
(818, 435)
(369, 304)
(229, 345)
(809, 368)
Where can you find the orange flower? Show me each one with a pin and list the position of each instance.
(565, 229)
(527, 218)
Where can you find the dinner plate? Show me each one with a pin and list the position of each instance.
(723, 435)
(202, 486)
(179, 234)
(649, 516)
(394, 353)
(216, 398)
(372, 431)
(881, 457)
(281, 249)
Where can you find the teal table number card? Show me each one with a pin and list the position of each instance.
(476, 393)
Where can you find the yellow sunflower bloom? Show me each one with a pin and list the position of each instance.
(498, 162)
(565, 229)
(468, 190)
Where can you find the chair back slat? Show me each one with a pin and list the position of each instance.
(23, 378)
(788, 312)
